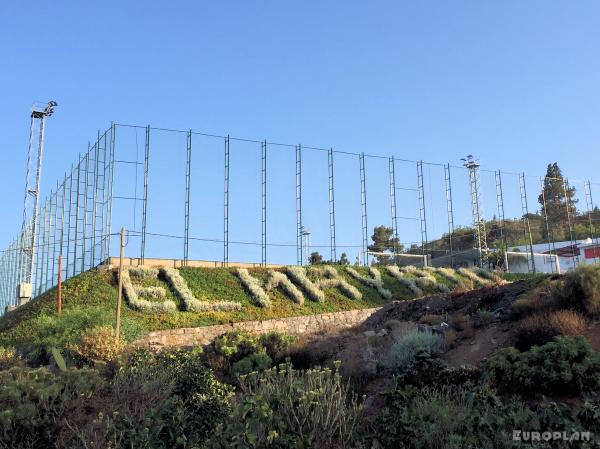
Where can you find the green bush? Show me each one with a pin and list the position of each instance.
(236, 345)
(451, 417)
(565, 365)
(50, 331)
(9, 358)
(276, 344)
(284, 408)
(259, 361)
(581, 289)
(33, 403)
(404, 351)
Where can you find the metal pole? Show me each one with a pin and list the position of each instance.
(226, 206)
(526, 223)
(69, 222)
(120, 292)
(76, 237)
(363, 209)
(264, 201)
(500, 206)
(422, 214)
(59, 293)
(568, 207)
(392, 173)
(299, 227)
(145, 206)
(95, 203)
(85, 210)
(110, 186)
(62, 221)
(188, 172)
(40, 260)
(590, 207)
(550, 237)
(332, 243)
(54, 226)
(449, 211)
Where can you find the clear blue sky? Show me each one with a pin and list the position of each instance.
(514, 82)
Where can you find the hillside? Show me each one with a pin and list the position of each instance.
(90, 300)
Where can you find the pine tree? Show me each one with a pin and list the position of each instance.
(384, 240)
(554, 201)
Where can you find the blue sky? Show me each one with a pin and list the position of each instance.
(513, 82)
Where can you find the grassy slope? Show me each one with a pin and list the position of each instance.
(96, 292)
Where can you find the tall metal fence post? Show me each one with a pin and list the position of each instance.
(299, 227)
(145, 201)
(393, 209)
(332, 243)
(363, 209)
(449, 211)
(188, 173)
(264, 202)
(422, 214)
(226, 204)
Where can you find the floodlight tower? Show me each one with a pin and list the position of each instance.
(30, 203)
(473, 165)
(306, 245)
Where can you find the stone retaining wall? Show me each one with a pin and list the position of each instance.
(195, 336)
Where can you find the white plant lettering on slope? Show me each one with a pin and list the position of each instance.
(253, 287)
(376, 282)
(299, 277)
(277, 279)
(426, 280)
(332, 279)
(143, 305)
(191, 304)
(447, 273)
(479, 282)
(409, 283)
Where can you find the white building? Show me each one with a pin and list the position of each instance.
(582, 252)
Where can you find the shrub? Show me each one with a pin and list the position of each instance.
(33, 403)
(581, 289)
(9, 358)
(407, 282)
(375, 281)
(459, 321)
(277, 279)
(565, 365)
(259, 361)
(180, 287)
(143, 305)
(98, 344)
(540, 328)
(276, 344)
(282, 408)
(449, 417)
(567, 322)
(252, 285)
(431, 319)
(298, 275)
(404, 351)
(50, 331)
(235, 345)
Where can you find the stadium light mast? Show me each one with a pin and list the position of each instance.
(480, 238)
(30, 203)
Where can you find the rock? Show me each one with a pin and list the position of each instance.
(382, 333)
(369, 333)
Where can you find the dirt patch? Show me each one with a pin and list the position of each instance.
(483, 344)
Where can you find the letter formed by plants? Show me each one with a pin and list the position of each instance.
(409, 283)
(334, 280)
(299, 277)
(426, 280)
(190, 302)
(376, 282)
(135, 301)
(252, 285)
(470, 274)
(447, 273)
(278, 279)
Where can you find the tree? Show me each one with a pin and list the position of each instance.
(344, 259)
(554, 200)
(384, 240)
(315, 258)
